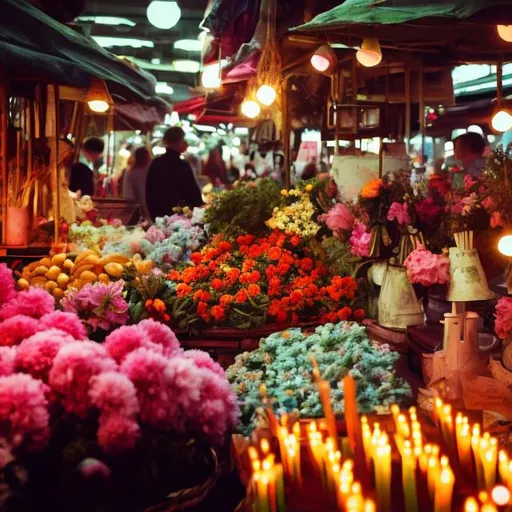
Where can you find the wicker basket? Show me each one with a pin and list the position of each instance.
(187, 498)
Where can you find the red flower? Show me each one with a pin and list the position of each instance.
(270, 271)
(274, 308)
(330, 317)
(218, 313)
(253, 290)
(182, 290)
(212, 265)
(217, 284)
(359, 315)
(255, 276)
(202, 295)
(274, 253)
(295, 240)
(306, 264)
(202, 308)
(225, 246)
(233, 274)
(248, 265)
(345, 313)
(255, 251)
(174, 275)
(282, 316)
(226, 300)
(295, 297)
(196, 257)
(241, 296)
(245, 240)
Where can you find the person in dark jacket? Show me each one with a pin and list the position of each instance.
(171, 181)
(82, 176)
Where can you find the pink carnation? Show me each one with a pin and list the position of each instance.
(117, 434)
(34, 302)
(182, 380)
(400, 213)
(426, 268)
(360, 240)
(503, 324)
(73, 368)
(203, 360)
(36, 354)
(7, 290)
(67, 322)
(339, 218)
(24, 410)
(17, 328)
(146, 369)
(7, 356)
(113, 392)
(160, 334)
(126, 339)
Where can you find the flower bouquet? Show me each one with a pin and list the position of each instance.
(283, 365)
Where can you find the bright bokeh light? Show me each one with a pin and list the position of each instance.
(320, 63)
(505, 245)
(99, 106)
(163, 88)
(163, 14)
(250, 109)
(189, 45)
(501, 121)
(505, 32)
(474, 128)
(210, 79)
(500, 495)
(266, 95)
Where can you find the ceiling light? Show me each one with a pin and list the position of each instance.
(370, 53)
(505, 245)
(323, 59)
(163, 88)
(163, 14)
(210, 79)
(186, 66)
(97, 97)
(188, 45)
(505, 32)
(107, 42)
(250, 109)
(107, 20)
(501, 121)
(266, 95)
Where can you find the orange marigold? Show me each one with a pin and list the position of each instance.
(217, 284)
(182, 290)
(274, 253)
(218, 313)
(226, 300)
(196, 257)
(241, 296)
(253, 290)
(174, 275)
(372, 189)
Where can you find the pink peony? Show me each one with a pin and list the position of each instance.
(339, 218)
(182, 380)
(117, 434)
(34, 302)
(503, 324)
(360, 240)
(145, 369)
(125, 340)
(74, 366)
(7, 356)
(7, 290)
(160, 334)
(426, 268)
(37, 353)
(114, 393)
(17, 328)
(400, 213)
(24, 410)
(67, 322)
(203, 360)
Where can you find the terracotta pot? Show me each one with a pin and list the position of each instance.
(17, 226)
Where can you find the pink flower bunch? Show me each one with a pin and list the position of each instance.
(24, 411)
(34, 302)
(100, 306)
(339, 218)
(427, 268)
(465, 206)
(360, 240)
(154, 235)
(469, 182)
(400, 213)
(17, 328)
(7, 290)
(7, 357)
(503, 323)
(428, 211)
(67, 322)
(203, 360)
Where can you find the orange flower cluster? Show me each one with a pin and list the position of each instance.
(157, 309)
(249, 281)
(372, 189)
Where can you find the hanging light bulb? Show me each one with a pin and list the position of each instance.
(501, 121)
(266, 95)
(505, 245)
(323, 59)
(505, 32)
(163, 14)
(97, 97)
(250, 109)
(370, 53)
(210, 79)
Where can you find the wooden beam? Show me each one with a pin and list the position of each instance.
(3, 144)
(407, 109)
(286, 136)
(421, 110)
(55, 165)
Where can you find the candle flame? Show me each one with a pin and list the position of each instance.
(265, 446)
(471, 505)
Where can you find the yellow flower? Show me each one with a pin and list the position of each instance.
(309, 188)
(284, 192)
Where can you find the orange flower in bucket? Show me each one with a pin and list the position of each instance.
(372, 189)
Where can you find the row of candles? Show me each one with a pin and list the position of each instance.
(468, 453)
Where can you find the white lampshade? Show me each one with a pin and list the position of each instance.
(370, 53)
(505, 32)
(163, 14)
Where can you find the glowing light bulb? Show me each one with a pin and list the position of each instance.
(501, 121)
(505, 32)
(320, 63)
(370, 54)
(505, 245)
(211, 76)
(266, 95)
(99, 106)
(500, 495)
(163, 14)
(250, 109)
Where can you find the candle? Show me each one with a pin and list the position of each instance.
(279, 480)
(395, 411)
(409, 478)
(263, 498)
(352, 418)
(382, 465)
(471, 505)
(432, 474)
(403, 426)
(464, 446)
(475, 446)
(444, 490)
(367, 441)
(489, 464)
(503, 467)
(369, 505)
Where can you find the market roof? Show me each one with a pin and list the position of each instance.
(408, 25)
(34, 45)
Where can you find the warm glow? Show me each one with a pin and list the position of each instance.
(471, 505)
(370, 53)
(505, 245)
(211, 76)
(324, 59)
(163, 14)
(501, 121)
(505, 32)
(320, 63)
(99, 106)
(266, 95)
(250, 109)
(500, 495)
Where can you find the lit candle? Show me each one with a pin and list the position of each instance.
(369, 505)
(444, 491)
(489, 460)
(403, 426)
(475, 446)
(395, 411)
(503, 467)
(382, 464)
(463, 446)
(471, 505)
(367, 441)
(432, 474)
(409, 478)
(263, 500)
(279, 479)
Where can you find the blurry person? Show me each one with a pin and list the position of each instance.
(469, 150)
(215, 168)
(135, 177)
(233, 172)
(82, 177)
(171, 180)
(310, 171)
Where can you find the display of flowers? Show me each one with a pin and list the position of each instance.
(88, 236)
(503, 323)
(247, 282)
(283, 364)
(426, 268)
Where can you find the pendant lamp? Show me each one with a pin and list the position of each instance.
(324, 59)
(98, 98)
(505, 32)
(370, 53)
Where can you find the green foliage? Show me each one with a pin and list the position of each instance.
(244, 209)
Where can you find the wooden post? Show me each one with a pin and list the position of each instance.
(3, 144)
(286, 137)
(381, 155)
(407, 107)
(422, 111)
(55, 167)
